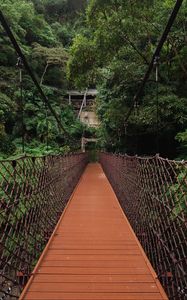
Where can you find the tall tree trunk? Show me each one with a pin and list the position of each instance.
(43, 75)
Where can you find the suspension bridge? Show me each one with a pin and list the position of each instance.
(71, 229)
(65, 236)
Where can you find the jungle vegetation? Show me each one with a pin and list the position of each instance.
(106, 44)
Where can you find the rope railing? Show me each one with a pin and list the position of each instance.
(33, 193)
(153, 195)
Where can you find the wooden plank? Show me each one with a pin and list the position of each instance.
(91, 271)
(78, 287)
(93, 252)
(81, 257)
(93, 296)
(90, 242)
(96, 264)
(45, 278)
(75, 246)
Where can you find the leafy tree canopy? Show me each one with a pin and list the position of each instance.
(113, 53)
(44, 29)
(103, 44)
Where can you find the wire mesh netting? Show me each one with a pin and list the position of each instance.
(153, 195)
(33, 194)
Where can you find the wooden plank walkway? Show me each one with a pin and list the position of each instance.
(93, 253)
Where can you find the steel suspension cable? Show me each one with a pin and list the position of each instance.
(10, 34)
(155, 55)
(19, 65)
(156, 64)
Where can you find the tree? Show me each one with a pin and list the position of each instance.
(41, 35)
(52, 57)
(124, 35)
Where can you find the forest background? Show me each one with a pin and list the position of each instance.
(105, 44)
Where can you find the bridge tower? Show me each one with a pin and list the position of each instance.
(84, 105)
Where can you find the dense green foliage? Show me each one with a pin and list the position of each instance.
(113, 53)
(109, 47)
(44, 29)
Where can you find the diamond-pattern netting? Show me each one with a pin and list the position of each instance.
(153, 195)
(33, 194)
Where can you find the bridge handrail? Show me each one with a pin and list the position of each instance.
(26, 155)
(145, 157)
(33, 193)
(153, 194)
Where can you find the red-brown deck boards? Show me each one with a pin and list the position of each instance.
(93, 253)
